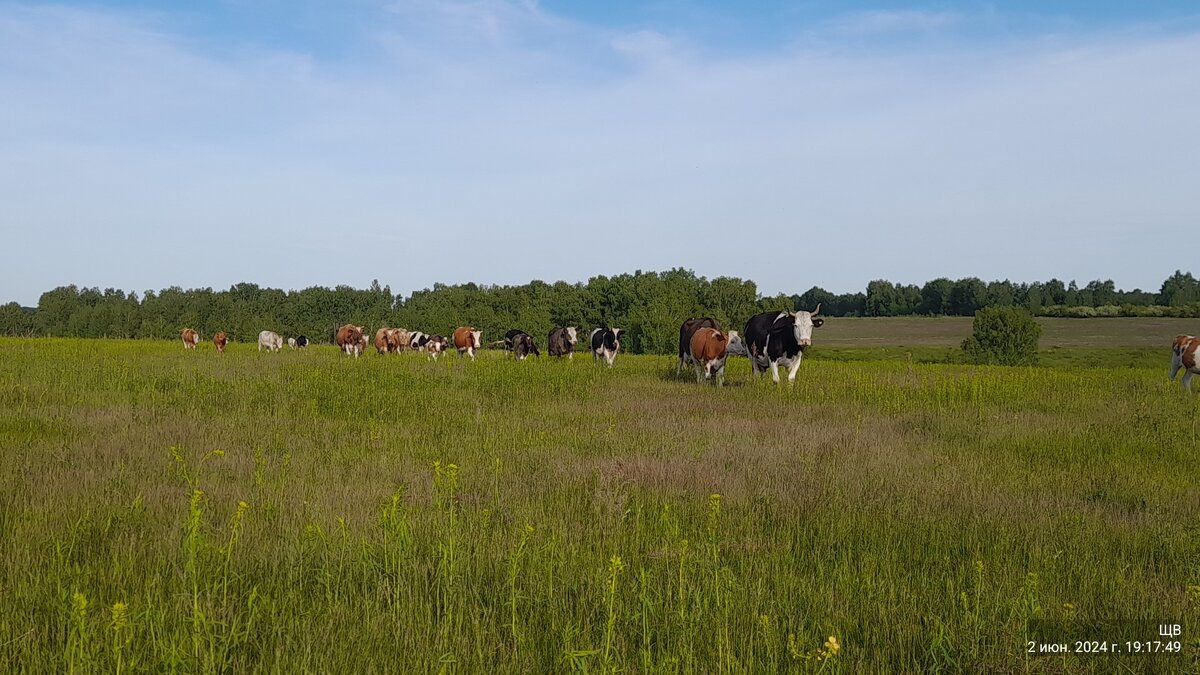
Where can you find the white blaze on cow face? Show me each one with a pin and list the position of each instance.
(477, 339)
(571, 335)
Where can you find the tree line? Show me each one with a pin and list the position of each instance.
(648, 305)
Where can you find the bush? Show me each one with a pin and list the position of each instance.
(1003, 335)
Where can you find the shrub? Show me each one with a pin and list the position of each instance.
(1003, 335)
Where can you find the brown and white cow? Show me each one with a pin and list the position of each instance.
(467, 339)
(399, 337)
(686, 331)
(190, 338)
(350, 339)
(220, 340)
(709, 350)
(384, 342)
(1185, 354)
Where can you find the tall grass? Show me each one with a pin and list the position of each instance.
(303, 512)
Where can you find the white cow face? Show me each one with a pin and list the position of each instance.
(571, 336)
(735, 346)
(477, 338)
(804, 323)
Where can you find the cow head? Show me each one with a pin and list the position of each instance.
(803, 323)
(571, 335)
(735, 346)
(613, 339)
(477, 339)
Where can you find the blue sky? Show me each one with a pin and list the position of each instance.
(796, 144)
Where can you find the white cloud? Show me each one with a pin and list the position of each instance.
(155, 160)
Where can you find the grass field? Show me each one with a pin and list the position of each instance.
(305, 512)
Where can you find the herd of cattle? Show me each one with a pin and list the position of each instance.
(770, 340)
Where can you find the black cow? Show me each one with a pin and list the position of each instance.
(605, 343)
(511, 336)
(774, 338)
(523, 345)
(301, 342)
(561, 342)
(686, 331)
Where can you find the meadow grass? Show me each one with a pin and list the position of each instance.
(308, 512)
(950, 331)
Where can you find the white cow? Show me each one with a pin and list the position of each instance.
(270, 340)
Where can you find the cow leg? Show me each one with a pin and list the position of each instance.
(1187, 380)
(699, 371)
(793, 368)
(774, 371)
(1176, 364)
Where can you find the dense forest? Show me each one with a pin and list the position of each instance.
(649, 305)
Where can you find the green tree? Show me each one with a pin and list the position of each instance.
(935, 296)
(15, 320)
(881, 298)
(1004, 336)
(1179, 289)
(967, 296)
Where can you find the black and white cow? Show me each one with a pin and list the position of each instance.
(686, 331)
(417, 341)
(301, 342)
(433, 345)
(605, 344)
(523, 345)
(780, 338)
(511, 336)
(561, 342)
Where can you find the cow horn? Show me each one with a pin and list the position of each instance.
(817, 310)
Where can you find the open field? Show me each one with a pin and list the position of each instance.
(950, 331)
(1075, 343)
(306, 512)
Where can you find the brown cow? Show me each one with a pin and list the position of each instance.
(686, 331)
(220, 340)
(467, 339)
(190, 338)
(709, 350)
(350, 339)
(1185, 353)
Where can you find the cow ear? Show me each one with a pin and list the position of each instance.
(817, 323)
